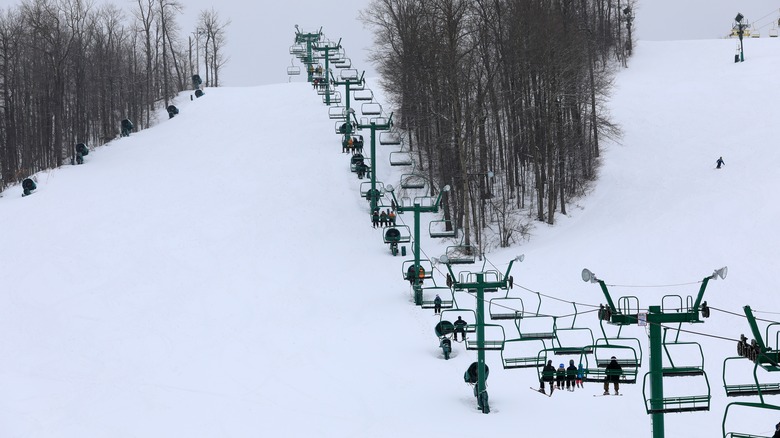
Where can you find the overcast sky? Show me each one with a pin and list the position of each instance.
(260, 34)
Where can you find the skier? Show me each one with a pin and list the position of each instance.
(580, 376)
(383, 219)
(548, 375)
(777, 431)
(571, 375)
(437, 305)
(460, 327)
(560, 376)
(409, 272)
(614, 370)
(375, 218)
(719, 163)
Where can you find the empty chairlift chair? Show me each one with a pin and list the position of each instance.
(460, 254)
(442, 229)
(412, 181)
(401, 158)
(364, 95)
(390, 138)
(371, 109)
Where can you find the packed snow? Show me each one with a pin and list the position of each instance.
(217, 275)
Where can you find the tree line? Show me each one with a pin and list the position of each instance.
(70, 71)
(503, 100)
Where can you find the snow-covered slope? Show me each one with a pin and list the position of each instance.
(217, 275)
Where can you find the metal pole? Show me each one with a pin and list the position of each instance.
(374, 195)
(481, 387)
(656, 375)
(417, 286)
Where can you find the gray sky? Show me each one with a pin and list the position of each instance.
(260, 34)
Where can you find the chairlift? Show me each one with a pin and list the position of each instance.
(442, 229)
(371, 109)
(495, 336)
(412, 181)
(343, 63)
(628, 352)
(746, 389)
(337, 112)
(686, 351)
(396, 234)
(380, 120)
(452, 315)
(571, 341)
(355, 160)
(389, 138)
(773, 32)
(293, 70)
(530, 326)
(429, 294)
(422, 201)
(335, 97)
(460, 254)
(523, 353)
(344, 127)
(676, 404)
(366, 186)
(757, 430)
(401, 158)
(297, 49)
(424, 263)
(363, 95)
(505, 308)
(350, 74)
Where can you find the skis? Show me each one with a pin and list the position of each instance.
(536, 390)
(607, 395)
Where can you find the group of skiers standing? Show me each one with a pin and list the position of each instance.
(571, 377)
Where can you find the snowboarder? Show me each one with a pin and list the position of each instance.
(437, 305)
(719, 163)
(571, 375)
(614, 370)
(460, 327)
(560, 376)
(548, 375)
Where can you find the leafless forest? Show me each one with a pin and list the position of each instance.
(71, 71)
(503, 100)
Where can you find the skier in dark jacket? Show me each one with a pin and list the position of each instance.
(719, 163)
(614, 370)
(437, 305)
(560, 376)
(127, 127)
(548, 375)
(460, 327)
(375, 218)
(777, 431)
(571, 375)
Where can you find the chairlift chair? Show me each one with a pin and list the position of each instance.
(505, 308)
(429, 294)
(442, 229)
(337, 113)
(676, 404)
(335, 98)
(746, 389)
(396, 234)
(371, 109)
(366, 186)
(344, 63)
(293, 70)
(401, 158)
(412, 181)
(749, 423)
(628, 352)
(364, 95)
(349, 74)
(530, 326)
(523, 353)
(571, 341)
(390, 138)
(424, 263)
(495, 336)
(467, 315)
(773, 32)
(460, 254)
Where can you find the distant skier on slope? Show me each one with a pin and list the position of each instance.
(719, 163)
